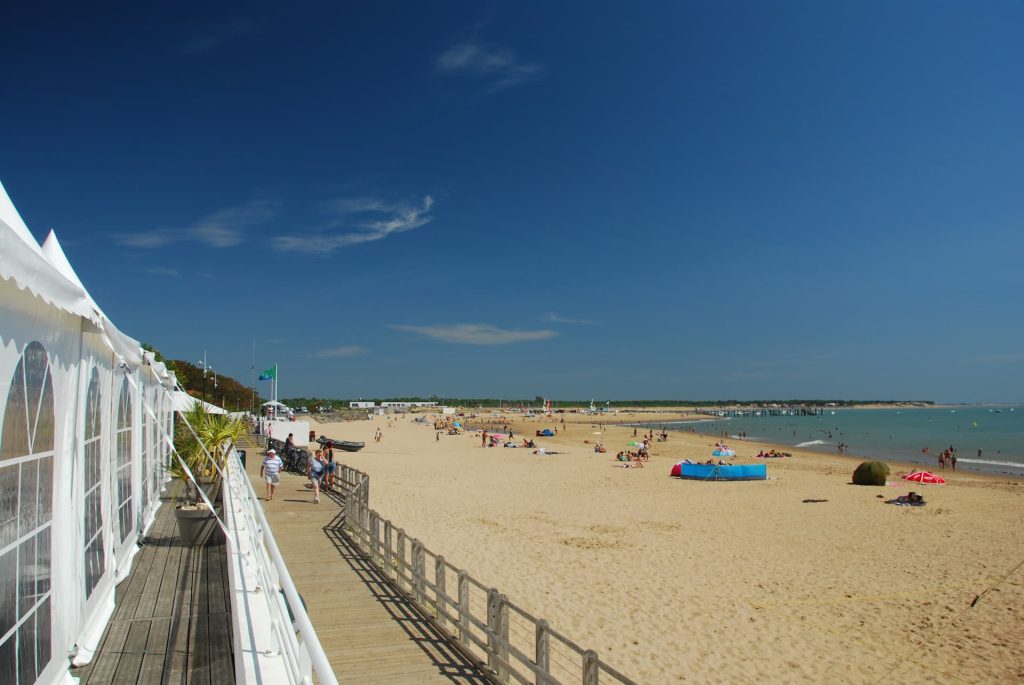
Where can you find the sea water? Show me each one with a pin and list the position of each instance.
(986, 438)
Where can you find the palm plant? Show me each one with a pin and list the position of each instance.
(203, 440)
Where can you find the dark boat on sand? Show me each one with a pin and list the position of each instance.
(346, 445)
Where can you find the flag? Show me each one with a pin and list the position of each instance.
(269, 375)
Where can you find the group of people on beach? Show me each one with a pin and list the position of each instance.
(947, 456)
(772, 454)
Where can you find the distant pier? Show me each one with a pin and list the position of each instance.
(788, 411)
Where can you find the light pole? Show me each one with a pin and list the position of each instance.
(207, 368)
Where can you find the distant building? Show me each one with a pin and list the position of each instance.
(405, 405)
(360, 405)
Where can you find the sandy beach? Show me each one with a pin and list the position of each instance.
(730, 582)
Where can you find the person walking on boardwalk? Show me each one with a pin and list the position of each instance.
(316, 469)
(270, 469)
(331, 466)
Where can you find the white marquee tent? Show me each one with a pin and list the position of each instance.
(86, 415)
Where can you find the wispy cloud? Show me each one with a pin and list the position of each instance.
(347, 351)
(496, 66)
(371, 218)
(475, 334)
(214, 36)
(552, 317)
(163, 271)
(223, 228)
(1000, 358)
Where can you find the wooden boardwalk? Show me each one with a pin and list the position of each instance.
(370, 632)
(172, 624)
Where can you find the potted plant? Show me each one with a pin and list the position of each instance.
(203, 448)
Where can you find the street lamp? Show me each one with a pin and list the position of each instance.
(207, 369)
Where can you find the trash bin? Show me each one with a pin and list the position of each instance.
(312, 436)
(241, 456)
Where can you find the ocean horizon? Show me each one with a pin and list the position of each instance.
(987, 438)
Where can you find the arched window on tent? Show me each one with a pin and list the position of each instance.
(145, 454)
(124, 461)
(95, 560)
(26, 512)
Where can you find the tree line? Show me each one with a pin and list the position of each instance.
(537, 402)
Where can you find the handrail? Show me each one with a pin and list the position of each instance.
(266, 547)
(514, 645)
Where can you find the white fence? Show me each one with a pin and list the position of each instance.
(274, 638)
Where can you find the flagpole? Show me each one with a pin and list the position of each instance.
(275, 383)
(252, 402)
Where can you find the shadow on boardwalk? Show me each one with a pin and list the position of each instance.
(449, 660)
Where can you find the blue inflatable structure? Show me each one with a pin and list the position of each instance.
(722, 472)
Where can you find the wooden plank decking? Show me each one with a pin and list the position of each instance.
(370, 632)
(172, 624)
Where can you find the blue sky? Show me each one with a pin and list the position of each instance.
(668, 200)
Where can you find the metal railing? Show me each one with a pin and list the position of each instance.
(515, 645)
(268, 595)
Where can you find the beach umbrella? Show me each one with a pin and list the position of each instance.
(723, 453)
(925, 477)
(633, 443)
(498, 436)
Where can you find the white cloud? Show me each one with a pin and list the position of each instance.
(374, 220)
(226, 227)
(552, 317)
(145, 239)
(223, 228)
(163, 271)
(1000, 358)
(214, 36)
(475, 334)
(347, 351)
(498, 66)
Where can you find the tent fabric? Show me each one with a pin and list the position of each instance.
(82, 470)
(23, 262)
(125, 346)
(182, 402)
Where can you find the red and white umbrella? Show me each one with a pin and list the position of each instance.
(925, 477)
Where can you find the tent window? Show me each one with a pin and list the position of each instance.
(94, 557)
(26, 512)
(124, 461)
(146, 455)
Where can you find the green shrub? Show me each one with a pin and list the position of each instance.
(871, 473)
